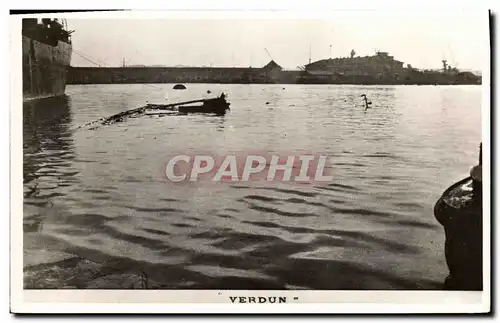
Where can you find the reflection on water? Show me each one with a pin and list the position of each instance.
(99, 196)
(48, 153)
(46, 135)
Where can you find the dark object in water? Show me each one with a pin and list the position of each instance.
(179, 87)
(459, 211)
(267, 102)
(208, 91)
(367, 103)
(217, 105)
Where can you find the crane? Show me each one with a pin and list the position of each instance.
(269, 54)
(454, 63)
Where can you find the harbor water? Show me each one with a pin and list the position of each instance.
(98, 210)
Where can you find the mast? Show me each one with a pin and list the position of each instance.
(309, 53)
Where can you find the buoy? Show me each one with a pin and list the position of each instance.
(179, 87)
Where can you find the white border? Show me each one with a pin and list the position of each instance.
(126, 301)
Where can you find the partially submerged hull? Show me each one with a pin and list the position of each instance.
(217, 106)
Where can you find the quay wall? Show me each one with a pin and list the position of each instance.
(112, 75)
(127, 75)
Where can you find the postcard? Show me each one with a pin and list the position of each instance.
(250, 162)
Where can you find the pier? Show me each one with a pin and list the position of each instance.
(249, 75)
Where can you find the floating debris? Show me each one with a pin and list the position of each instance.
(125, 115)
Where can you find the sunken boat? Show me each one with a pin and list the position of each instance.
(217, 105)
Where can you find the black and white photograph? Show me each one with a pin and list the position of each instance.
(251, 158)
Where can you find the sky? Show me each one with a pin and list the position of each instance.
(422, 40)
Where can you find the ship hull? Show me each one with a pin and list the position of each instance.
(45, 68)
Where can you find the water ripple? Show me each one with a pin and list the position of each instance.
(98, 197)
